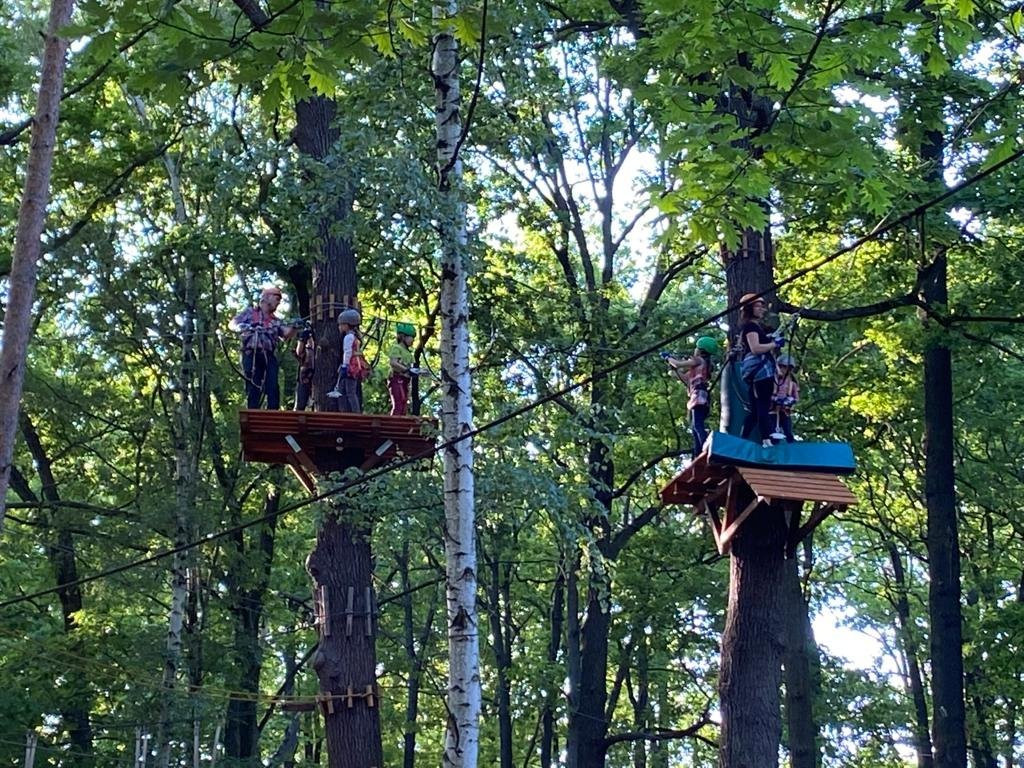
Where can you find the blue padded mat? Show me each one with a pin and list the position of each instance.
(803, 456)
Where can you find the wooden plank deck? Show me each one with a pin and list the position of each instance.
(265, 434)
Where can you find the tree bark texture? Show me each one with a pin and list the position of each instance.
(28, 235)
(462, 735)
(948, 712)
(341, 564)
(800, 664)
(334, 269)
(753, 643)
(346, 659)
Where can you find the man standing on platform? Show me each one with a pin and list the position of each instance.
(261, 329)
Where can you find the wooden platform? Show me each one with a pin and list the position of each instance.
(303, 439)
(711, 488)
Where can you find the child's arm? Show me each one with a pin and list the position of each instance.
(689, 362)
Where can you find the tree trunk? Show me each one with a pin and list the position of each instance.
(60, 550)
(498, 607)
(189, 409)
(248, 579)
(753, 643)
(943, 540)
(922, 739)
(548, 749)
(31, 219)
(462, 735)
(800, 657)
(346, 661)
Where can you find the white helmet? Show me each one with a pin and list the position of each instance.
(350, 317)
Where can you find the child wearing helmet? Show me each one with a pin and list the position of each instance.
(349, 373)
(695, 373)
(787, 393)
(401, 360)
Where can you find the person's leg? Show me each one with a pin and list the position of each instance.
(751, 418)
(398, 389)
(257, 379)
(271, 385)
(252, 391)
(787, 426)
(302, 390)
(762, 391)
(349, 395)
(698, 415)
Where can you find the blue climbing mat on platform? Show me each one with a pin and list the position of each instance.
(837, 458)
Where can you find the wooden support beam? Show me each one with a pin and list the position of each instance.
(302, 476)
(300, 455)
(377, 455)
(734, 526)
(820, 512)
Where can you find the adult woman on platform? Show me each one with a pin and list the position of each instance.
(757, 366)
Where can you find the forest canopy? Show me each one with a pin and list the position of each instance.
(619, 160)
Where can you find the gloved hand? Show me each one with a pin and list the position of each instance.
(789, 402)
(343, 371)
(415, 371)
(780, 401)
(305, 334)
(664, 355)
(780, 343)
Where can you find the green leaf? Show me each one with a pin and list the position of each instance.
(103, 45)
(411, 32)
(1015, 21)
(782, 71)
(875, 195)
(467, 27)
(320, 80)
(965, 9)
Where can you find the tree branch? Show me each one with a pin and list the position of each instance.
(661, 734)
(848, 313)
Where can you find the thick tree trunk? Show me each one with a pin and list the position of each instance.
(462, 735)
(346, 659)
(31, 219)
(799, 662)
(949, 719)
(911, 652)
(753, 643)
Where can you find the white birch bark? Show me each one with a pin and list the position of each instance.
(463, 729)
(31, 218)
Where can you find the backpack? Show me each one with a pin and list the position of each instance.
(358, 368)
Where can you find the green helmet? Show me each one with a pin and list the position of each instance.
(707, 344)
(406, 329)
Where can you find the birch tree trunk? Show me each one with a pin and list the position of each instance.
(462, 733)
(31, 217)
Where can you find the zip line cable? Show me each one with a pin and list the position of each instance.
(879, 230)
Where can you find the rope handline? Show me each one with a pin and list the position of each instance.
(879, 230)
